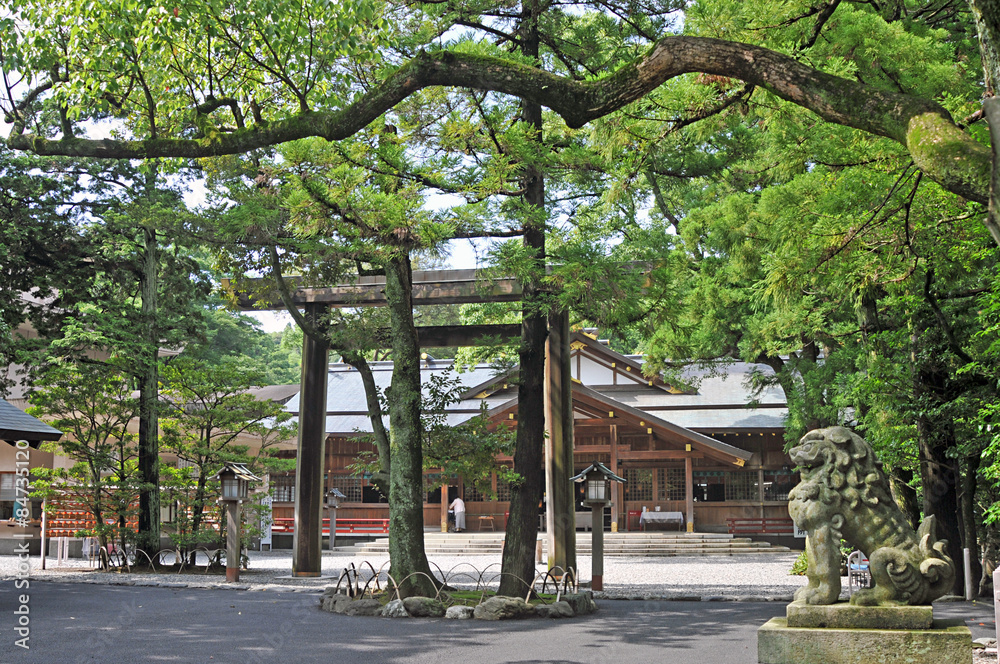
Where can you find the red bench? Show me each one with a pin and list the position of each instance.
(760, 526)
(344, 526)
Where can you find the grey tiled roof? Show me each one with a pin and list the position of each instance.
(719, 404)
(15, 424)
(721, 401)
(347, 409)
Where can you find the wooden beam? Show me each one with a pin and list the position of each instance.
(656, 455)
(429, 287)
(602, 422)
(593, 449)
(435, 336)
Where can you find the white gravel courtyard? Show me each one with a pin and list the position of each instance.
(734, 578)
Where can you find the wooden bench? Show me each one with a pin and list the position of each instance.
(760, 526)
(344, 526)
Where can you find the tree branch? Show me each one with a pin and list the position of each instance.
(942, 150)
(949, 334)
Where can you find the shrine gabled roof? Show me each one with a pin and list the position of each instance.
(722, 403)
(15, 424)
(583, 395)
(627, 368)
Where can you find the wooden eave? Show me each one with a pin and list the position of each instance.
(603, 411)
(491, 386)
(625, 367)
(667, 430)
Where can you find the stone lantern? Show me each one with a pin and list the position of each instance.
(235, 480)
(333, 498)
(597, 478)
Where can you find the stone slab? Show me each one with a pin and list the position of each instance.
(948, 641)
(842, 614)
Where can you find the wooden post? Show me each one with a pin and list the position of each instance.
(597, 548)
(996, 604)
(615, 486)
(310, 460)
(232, 541)
(689, 492)
(44, 504)
(444, 504)
(333, 528)
(560, 517)
(760, 490)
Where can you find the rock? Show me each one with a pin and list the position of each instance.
(503, 608)
(424, 607)
(558, 609)
(777, 643)
(850, 616)
(459, 613)
(582, 603)
(984, 642)
(364, 607)
(335, 603)
(395, 609)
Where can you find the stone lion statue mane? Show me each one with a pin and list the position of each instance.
(845, 495)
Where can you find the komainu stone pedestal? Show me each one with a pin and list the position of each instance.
(845, 634)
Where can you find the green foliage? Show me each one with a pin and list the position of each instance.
(468, 450)
(211, 416)
(92, 404)
(800, 565)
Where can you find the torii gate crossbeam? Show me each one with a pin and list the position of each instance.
(429, 287)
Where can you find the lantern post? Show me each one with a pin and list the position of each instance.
(234, 479)
(333, 497)
(597, 478)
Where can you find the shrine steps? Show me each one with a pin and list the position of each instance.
(615, 544)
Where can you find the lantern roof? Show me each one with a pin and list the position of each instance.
(601, 468)
(238, 469)
(336, 493)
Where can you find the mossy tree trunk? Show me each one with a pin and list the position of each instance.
(408, 558)
(518, 564)
(148, 540)
(987, 16)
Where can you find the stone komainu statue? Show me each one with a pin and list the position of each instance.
(845, 495)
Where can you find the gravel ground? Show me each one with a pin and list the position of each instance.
(733, 578)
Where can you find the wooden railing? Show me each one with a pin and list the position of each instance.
(761, 526)
(344, 526)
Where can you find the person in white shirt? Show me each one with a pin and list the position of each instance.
(458, 507)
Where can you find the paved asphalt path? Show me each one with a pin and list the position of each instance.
(73, 623)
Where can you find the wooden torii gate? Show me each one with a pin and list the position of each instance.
(429, 287)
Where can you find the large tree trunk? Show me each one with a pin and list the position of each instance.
(939, 477)
(967, 504)
(905, 495)
(938, 473)
(406, 481)
(148, 540)
(987, 16)
(518, 565)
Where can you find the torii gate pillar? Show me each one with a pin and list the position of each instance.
(560, 515)
(310, 459)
